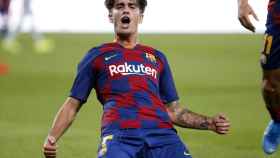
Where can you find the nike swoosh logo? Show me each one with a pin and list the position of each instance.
(110, 57)
(187, 154)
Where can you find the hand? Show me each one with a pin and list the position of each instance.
(244, 10)
(220, 124)
(50, 147)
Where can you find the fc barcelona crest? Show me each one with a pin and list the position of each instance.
(151, 57)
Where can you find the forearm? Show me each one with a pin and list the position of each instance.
(185, 118)
(64, 118)
(188, 119)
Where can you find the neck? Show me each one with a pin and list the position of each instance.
(127, 41)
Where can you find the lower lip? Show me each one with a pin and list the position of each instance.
(125, 25)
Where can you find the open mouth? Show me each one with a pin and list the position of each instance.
(125, 20)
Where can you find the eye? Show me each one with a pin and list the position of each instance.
(119, 6)
(132, 6)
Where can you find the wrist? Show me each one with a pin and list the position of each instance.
(51, 139)
(211, 123)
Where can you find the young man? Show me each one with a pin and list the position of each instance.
(134, 84)
(270, 62)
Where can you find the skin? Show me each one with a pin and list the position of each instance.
(271, 87)
(126, 35)
(63, 120)
(244, 11)
(187, 119)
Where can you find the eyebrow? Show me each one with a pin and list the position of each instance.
(132, 3)
(129, 3)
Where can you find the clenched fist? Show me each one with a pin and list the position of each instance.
(220, 124)
(49, 147)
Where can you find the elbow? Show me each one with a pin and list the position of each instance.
(172, 117)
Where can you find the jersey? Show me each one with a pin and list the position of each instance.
(131, 84)
(270, 57)
(273, 18)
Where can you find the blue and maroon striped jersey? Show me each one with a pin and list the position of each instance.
(273, 17)
(132, 85)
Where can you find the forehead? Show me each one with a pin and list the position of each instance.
(125, 1)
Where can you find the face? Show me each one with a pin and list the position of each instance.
(125, 15)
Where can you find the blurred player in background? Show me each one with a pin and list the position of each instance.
(21, 11)
(134, 84)
(4, 16)
(270, 62)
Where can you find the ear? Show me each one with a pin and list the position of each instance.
(110, 16)
(141, 18)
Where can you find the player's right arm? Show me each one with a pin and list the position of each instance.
(61, 123)
(81, 88)
(244, 11)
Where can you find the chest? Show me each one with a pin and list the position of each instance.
(119, 64)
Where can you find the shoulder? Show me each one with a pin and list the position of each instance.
(94, 52)
(103, 48)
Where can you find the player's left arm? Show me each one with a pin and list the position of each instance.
(185, 118)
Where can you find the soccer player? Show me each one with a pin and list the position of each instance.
(270, 62)
(4, 16)
(21, 11)
(134, 84)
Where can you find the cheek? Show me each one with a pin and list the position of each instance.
(136, 18)
(115, 15)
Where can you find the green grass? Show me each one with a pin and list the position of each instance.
(213, 73)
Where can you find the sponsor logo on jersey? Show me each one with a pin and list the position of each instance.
(132, 69)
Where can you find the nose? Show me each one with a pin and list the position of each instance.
(126, 10)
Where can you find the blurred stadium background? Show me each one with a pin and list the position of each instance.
(215, 64)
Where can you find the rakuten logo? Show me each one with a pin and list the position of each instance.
(129, 69)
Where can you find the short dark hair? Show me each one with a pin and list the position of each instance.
(142, 4)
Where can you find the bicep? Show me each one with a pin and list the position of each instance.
(167, 88)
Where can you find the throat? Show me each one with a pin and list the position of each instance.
(128, 43)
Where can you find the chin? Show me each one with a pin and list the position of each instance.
(124, 33)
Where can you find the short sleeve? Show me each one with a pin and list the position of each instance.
(168, 92)
(85, 78)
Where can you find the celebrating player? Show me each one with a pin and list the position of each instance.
(134, 84)
(270, 62)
